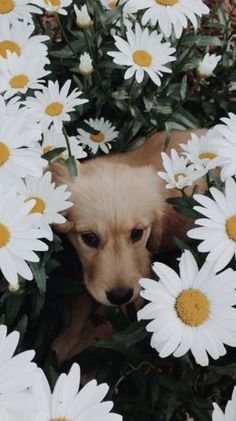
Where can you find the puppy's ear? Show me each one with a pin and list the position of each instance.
(155, 238)
(61, 175)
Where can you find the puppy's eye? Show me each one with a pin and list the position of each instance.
(90, 239)
(136, 234)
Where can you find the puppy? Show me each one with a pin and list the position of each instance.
(120, 219)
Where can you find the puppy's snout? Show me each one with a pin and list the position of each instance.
(118, 296)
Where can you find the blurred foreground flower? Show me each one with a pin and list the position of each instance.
(13, 11)
(66, 402)
(230, 410)
(192, 311)
(170, 13)
(178, 174)
(143, 53)
(208, 65)
(55, 5)
(18, 237)
(226, 145)
(106, 134)
(53, 104)
(218, 229)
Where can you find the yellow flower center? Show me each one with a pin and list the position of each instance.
(97, 137)
(231, 227)
(11, 46)
(39, 206)
(4, 153)
(142, 58)
(167, 2)
(19, 81)
(207, 155)
(192, 307)
(4, 235)
(112, 5)
(178, 176)
(52, 2)
(54, 109)
(6, 6)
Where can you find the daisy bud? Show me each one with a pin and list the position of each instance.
(85, 66)
(83, 19)
(207, 65)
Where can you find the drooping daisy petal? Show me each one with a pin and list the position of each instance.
(219, 237)
(230, 410)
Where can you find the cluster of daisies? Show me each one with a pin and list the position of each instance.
(25, 393)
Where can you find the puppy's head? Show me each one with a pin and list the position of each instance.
(116, 220)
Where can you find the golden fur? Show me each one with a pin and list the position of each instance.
(111, 196)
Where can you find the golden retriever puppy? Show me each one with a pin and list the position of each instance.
(120, 219)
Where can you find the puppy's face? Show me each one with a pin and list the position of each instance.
(115, 210)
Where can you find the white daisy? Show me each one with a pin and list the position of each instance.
(207, 65)
(57, 6)
(143, 53)
(170, 14)
(106, 134)
(178, 174)
(126, 15)
(83, 20)
(230, 410)
(53, 105)
(191, 311)
(16, 373)
(202, 152)
(52, 139)
(85, 65)
(18, 74)
(12, 11)
(49, 201)
(226, 145)
(18, 237)
(18, 157)
(67, 403)
(218, 229)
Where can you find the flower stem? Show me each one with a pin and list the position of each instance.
(67, 141)
(66, 37)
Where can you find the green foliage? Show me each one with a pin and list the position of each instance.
(142, 385)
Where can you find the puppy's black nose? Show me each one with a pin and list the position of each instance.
(118, 296)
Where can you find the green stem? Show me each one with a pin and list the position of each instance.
(67, 141)
(66, 37)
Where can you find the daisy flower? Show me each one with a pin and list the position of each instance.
(52, 105)
(178, 174)
(16, 374)
(18, 157)
(226, 145)
(230, 410)
(202, 152)
(106, 134)
(53, 140)
(17, 39)
(126, 15)
(55, 5)
(190, 311)
(83, 20)
(18, 237)
(18, 74)
(86, 65)
(12, 11)
(143, 53)
(170, 14)
(66, 402)
(207, 65)
(49, 201)
(218, 229)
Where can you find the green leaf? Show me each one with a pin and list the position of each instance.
(121, 341)
(71, 165)
(53, 153)
(39, 275)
